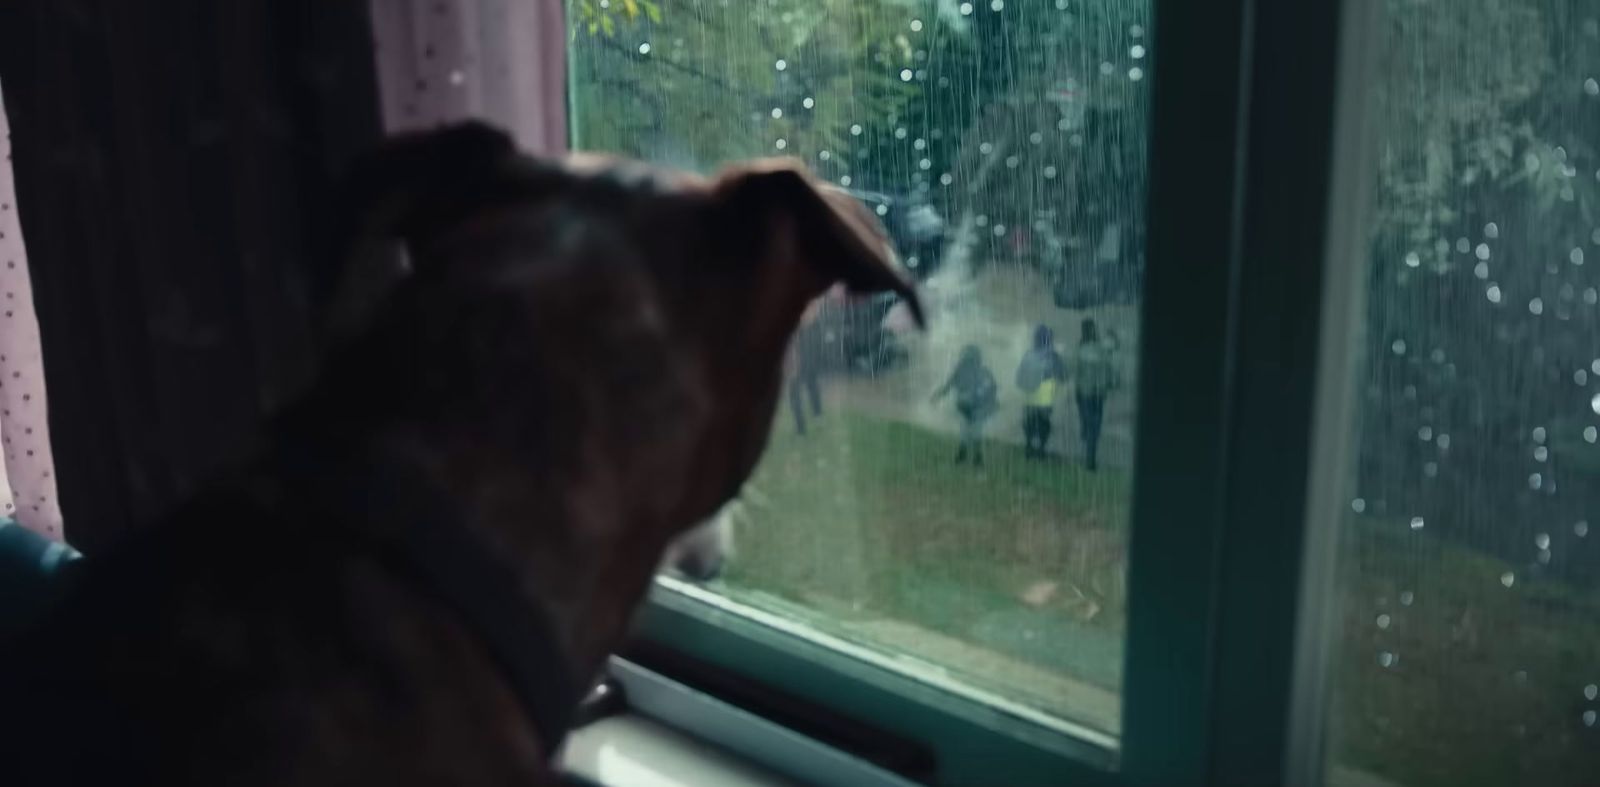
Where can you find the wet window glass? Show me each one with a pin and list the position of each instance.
(1469, 640)
(954, 500)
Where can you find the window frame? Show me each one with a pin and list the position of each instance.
(1252, 105)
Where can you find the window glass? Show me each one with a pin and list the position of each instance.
(955, 499)
(1470, 558)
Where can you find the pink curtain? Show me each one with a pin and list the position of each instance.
(27, 478)
(503, 61)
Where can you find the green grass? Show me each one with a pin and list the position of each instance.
(868, 519)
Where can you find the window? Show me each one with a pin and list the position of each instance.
(955, 502)
(1469, 576)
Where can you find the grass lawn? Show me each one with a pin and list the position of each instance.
(869, 521)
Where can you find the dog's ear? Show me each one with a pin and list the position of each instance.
(781, 215)
(412, 184)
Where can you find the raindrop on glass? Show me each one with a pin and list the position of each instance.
(1417, 523)
(1412, 259)
(1406, 597)
(1358, 505)
(1580, 377)
(844, 180)
(901, 133)
(985, 148)
(1591, 87)
(1135, 74)
(1594, 404)
(919, 143)
(1591, 295)
(1444, 442)
(808, 102)
(1491, 230)
(1588, 718)
(1580, 528)
(1508, 579)
(1542, 541)
(999, 230)
(997, 5)
(1399, 347)
(1535, 480)
(1136, 51)
(1590, 434)
(946, 179)
(1387, 659)
(883, 210)
(916, 25)
(966, 9)
(644, 49)
(1536, 306)
(1430, 469)
(825, 155)
(1463, 245)
(855, 130)
(1106, 68)
(1012, 162)
(1036, 138)
(781, 143)
(1576, 256)
(1493, 293)
(1383, 621)
(1482, 251)
(905, 75)
(925, 164)
(1049, 172)
(1540, 454)
(781, 65)
(1425, 434)
(1481, 270)
(776, 113)
(1591, 692)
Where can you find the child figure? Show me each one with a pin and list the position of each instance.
(1041, 370)
(976, 400)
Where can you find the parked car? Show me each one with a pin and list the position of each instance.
(915, 228)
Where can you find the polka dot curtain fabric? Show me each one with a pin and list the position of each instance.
(498, 60)
(27, 483)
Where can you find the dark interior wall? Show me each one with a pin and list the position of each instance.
(174, 162)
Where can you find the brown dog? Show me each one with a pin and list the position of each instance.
(577, 364)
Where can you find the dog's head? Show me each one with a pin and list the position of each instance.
(618, 326)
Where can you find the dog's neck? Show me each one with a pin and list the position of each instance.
(569, 533)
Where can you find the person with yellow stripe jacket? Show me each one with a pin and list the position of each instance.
(1039, 375)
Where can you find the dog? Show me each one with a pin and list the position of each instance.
(432, 551)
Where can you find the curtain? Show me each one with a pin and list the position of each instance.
(503, 61)
(27, 486)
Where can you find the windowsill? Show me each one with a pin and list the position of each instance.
(633, 751)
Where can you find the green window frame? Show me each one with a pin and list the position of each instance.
(1249, 306)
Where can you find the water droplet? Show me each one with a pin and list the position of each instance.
(1580, 377)
(1491, 230)
(1425, 433)
(1594, 404)
(781, 65)
(1591, 87)
(916, 25)
(1482, 251)
(1358, 505)
(1430, 469)
(919, 143)
(999, 230)
(1539, 434)
(1542, 541)
(1135, 74)
(1406, 597)
(644, 49)
(1136, 51)
(1535, 481)
(781, 143)
(1589, 718)
(1444, 442)
(825, 155)
(997, 5)
(1106, 68)
(1536, 306)
(966, 9)
(1590, 434)
(1399, 347)
(900, 133)
(1136, 31)
(1576, 256)
(855, 130)
(844, 180)
(905, 75)
(1012, 162)
(1387, 659)
(946, 179)
(1540, 454)
(1508, 579)
(1494, 293)
(985, 148)
(1383, 621)
(1580, 528)
(1049, 172)
(1417, 523)
(1544, 557)
(1412, 259)
(776, 113)
(1463, 245)
(925, 164)
(457, 78)
(1591, 295)
(1591, 692)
